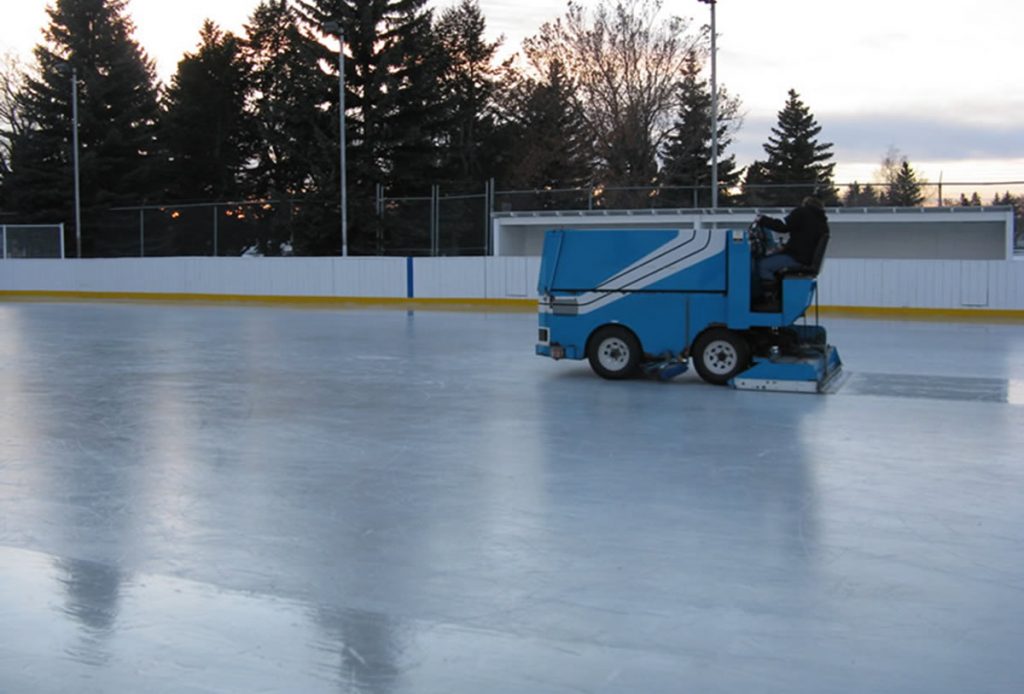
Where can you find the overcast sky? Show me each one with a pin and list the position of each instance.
(939, 80)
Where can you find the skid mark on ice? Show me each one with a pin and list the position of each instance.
(956, 388)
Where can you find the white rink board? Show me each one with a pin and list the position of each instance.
(316, 277)
(928, 284)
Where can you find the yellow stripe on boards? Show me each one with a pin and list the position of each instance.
(451, 304)
(469, 304)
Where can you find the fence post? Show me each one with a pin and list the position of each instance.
(435, 220)
(291, 225)
(488, 211)
(215, 231)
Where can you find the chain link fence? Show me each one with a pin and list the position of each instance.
(210, 229)
(438, 225)
(31, 241)
(441, 223)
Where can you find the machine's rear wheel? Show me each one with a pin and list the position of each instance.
(614, 353)
(719, 354)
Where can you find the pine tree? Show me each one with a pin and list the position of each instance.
(798, 165)
(687, 153)
(973, 201)
(756, 190)
(857, 196)
(1014, 201)
(905, 188)
(207, 133)
(296, 147)
(296, 153)
(467, 87)
(546, 138)
(118, 115)
(1017, 203)
(393, 114)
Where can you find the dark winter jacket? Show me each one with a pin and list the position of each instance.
(805, 225)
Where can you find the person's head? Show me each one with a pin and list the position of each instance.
(811, 201)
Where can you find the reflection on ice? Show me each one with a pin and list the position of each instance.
(66, 621)
(1015, 392)
(226, 499)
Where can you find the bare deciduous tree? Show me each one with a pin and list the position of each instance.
(901, 185)
(890, 166)
(12, 122)
(626, 58)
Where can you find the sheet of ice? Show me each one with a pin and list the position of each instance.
(224, 499)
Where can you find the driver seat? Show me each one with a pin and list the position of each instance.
(771, 291)
(814, 267)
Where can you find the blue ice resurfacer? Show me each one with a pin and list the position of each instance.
(635, 301)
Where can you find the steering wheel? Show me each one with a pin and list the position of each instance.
(758, 241)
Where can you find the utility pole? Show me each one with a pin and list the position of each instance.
(74, 145)
(335, 29)
(66, 68)
(714, 108)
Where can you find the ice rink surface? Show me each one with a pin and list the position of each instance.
(253, 499)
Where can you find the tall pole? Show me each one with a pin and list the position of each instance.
(714, 112)
(341, 137)
(74, 155)
(336, 29)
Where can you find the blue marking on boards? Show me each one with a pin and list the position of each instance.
(409, 279)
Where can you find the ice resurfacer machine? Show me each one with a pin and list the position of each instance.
(652, 301)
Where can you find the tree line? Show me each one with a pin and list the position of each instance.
(602, 99)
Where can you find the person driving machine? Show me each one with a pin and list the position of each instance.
(805, 226)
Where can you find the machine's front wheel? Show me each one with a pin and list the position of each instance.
(614, 353)
(720, 354)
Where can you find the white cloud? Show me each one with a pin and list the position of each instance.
(879, 62)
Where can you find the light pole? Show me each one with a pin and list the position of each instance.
(65, 68)
(335, 29)
(714, 109)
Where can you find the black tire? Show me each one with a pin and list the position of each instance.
(719, 354)
(614, 353)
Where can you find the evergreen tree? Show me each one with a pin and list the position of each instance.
(905, 189)
(756, 189)
(687, 153)
(467, 88)
(1014, 201)
(1017, 203)
(206, 131)
(118, 115)
(798, 165)
(857, 196)
(973, 201)
(296, 154)
(393, 115)
(296, 148)
(545, 134)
